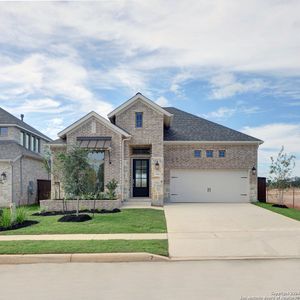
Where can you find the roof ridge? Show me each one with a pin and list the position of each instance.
(20, 122)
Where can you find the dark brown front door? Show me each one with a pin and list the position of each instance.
(140, 178)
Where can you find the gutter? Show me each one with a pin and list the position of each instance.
(214, 142)
(122, 166)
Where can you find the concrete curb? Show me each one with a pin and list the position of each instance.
(80, 258)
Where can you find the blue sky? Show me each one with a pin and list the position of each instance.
(232, 62)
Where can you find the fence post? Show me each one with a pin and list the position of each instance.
(293, 197)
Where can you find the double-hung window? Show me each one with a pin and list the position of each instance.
(138, 119)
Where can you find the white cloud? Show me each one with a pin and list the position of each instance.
(223, 34)
(274, 136)
(162, 101)
(227, 112)
(54, 126)
(56, 77)
(226, 85)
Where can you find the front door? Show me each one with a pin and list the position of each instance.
(140, 178)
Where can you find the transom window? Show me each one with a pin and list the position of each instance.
(209, 153)
(222, 153)
(141, 151)
(3, 131)
(197, 153)
(138, 119)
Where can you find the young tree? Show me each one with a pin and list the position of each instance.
(47, 161)
(280, 171)
(74, 168)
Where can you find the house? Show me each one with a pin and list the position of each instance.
(163, 154)
(21, 161)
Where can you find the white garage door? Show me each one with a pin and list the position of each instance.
(209, 185)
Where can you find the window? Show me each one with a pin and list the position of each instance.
(3, 131)
(33, 143)
(141, 151)
(222, 153)
(37, 145)
(96, 174)
(197, 153)
(209, 153)
(27, 141)
(22, 138)
(138, 119)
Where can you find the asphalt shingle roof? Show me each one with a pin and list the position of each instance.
(188, 127)
(7, 118)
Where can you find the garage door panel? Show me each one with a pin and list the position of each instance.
(209, 185)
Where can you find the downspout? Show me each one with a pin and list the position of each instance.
(122, 166)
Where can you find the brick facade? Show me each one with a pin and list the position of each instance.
(237, 157)
(21, 166)
(112, 166)
(169, 156)
(151, 134)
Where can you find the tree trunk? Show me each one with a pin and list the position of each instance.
(77, 210)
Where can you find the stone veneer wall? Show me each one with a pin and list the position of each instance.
(150, 134)
(6, 187)
(70, 205)
(90, 128)
(237, 157)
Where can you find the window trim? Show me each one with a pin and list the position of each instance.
(137, 121)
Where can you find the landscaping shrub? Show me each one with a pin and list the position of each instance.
(111, 187)
(6, 219)
(21, 215)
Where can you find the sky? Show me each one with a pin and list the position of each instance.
(236, 63)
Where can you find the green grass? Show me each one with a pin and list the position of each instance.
(127, 221)
(288, 212)
(159, 247)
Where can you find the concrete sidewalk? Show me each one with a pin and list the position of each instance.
(87, 237)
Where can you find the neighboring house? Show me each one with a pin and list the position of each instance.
(21, 162)
(164, 154)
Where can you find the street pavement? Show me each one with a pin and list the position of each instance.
(188, 280)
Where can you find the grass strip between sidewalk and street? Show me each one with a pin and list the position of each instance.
(159, 247)
(288, 212)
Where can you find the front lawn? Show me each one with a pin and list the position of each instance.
(288, 212)
(159, 247)
(127, 221)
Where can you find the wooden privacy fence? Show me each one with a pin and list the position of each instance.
(291, 197)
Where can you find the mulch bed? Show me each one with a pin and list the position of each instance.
(75, 218)
(280, 205)
(72, 212)
(17, 226)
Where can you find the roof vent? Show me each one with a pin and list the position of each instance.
(22, 117)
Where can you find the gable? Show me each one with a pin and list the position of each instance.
(141, 98)
(90, 116)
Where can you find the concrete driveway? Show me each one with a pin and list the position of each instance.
(218, 230)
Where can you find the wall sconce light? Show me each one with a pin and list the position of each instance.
(157, 165)
(3, 177)
(253, 170)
